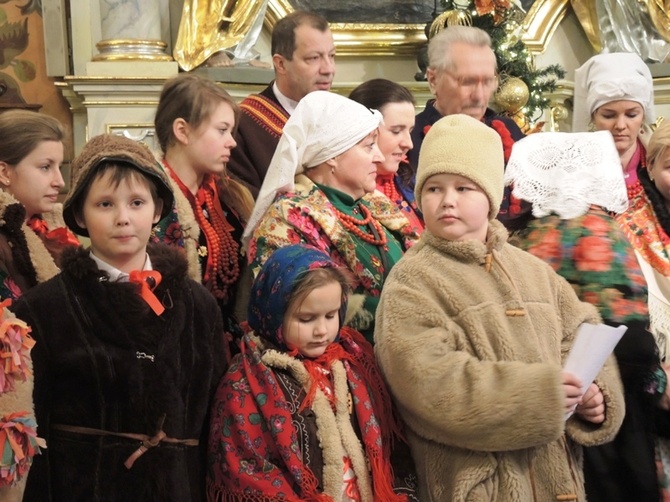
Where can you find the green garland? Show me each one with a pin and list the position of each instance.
(514, 58)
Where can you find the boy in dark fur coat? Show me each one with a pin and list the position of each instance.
(130, 349)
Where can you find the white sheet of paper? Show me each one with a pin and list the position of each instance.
(592, 346)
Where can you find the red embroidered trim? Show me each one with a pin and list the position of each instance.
(265, 112)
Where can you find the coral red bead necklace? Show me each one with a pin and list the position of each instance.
(386, 184)
(377, 236)
(223, 267)
(636, 187)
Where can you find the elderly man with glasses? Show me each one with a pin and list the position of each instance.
(462, 77)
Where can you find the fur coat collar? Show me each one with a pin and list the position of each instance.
(39, 265)
(469, 251)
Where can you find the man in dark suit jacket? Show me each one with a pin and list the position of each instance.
(303, 56)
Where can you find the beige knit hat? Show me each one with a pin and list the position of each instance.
(113, 148)
(459, 144)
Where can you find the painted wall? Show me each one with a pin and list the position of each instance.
(22, 59)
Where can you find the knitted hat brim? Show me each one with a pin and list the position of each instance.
(163, 190)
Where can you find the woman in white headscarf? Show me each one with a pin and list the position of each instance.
(614, 92)
(320, 190)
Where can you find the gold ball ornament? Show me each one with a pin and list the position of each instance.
(512, 95)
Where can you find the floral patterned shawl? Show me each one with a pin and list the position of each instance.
(253, 449)
(307, 216)
(594, 256)
(646, 224)
(641, 226)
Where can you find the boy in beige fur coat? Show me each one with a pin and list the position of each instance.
(471, 335)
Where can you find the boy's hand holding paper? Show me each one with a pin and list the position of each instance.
(592, 406)
(591, 348)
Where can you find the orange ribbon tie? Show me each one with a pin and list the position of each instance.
(63, 236)
(148, 280)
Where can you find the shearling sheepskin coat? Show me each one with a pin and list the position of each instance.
(471, 338)
(103, 360)
(24, 258)
(25, 261)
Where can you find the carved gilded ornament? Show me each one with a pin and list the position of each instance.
(405, 39)
(639, 26)
(210, 26)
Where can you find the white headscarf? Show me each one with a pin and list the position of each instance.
(564, 173)
(323, 126)
(611, 77)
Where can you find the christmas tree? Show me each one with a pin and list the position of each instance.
(523, 87)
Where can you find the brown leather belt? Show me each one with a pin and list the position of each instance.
(147, 441)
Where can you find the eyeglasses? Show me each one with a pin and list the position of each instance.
(471, 83)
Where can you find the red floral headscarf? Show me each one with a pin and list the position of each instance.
(253, 447)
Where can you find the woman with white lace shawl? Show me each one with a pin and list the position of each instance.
(576, 186)
(320, 189)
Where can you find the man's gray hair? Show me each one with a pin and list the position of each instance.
(439, 47)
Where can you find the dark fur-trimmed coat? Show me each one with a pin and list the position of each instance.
(104, 360)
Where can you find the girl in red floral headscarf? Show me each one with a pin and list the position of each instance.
(303, 413)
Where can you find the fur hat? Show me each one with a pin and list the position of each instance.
(459, 144)
(113, 148)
